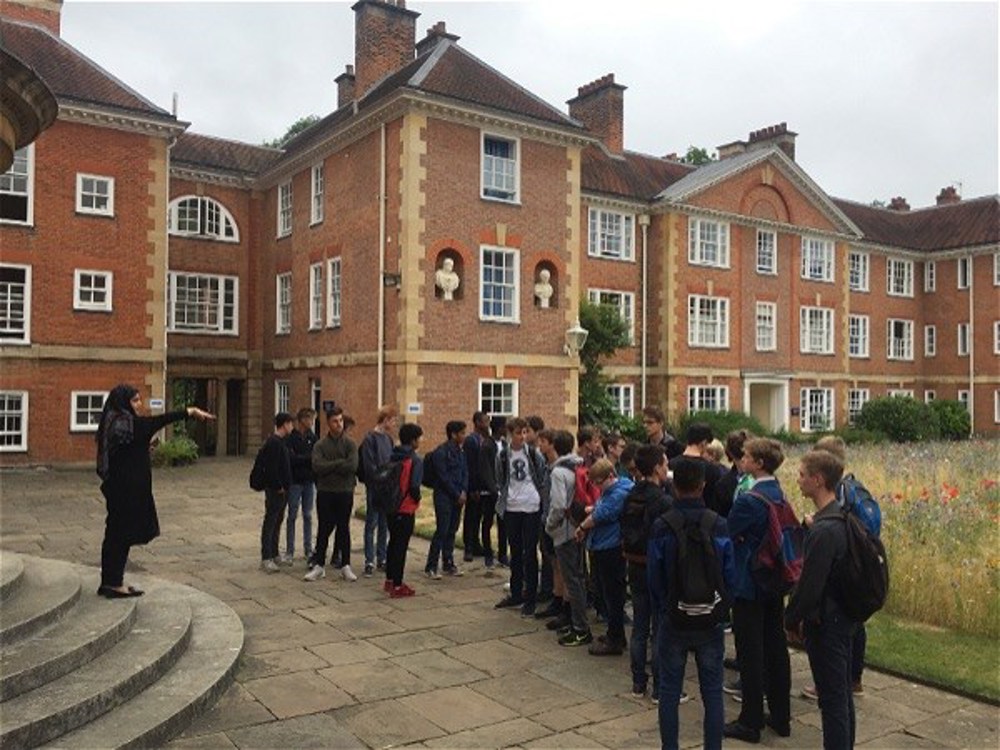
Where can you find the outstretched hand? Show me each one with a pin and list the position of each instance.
(201, 414)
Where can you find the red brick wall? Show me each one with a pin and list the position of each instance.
(36, 13)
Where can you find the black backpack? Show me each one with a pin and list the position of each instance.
(698, 597)
(360, 471)
(387, 486)
(258, 474)
(862, 582)
(635, 534)
(430, 472)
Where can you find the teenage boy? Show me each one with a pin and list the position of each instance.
(474, 447)
(674, 643)
(602, 527)
(302, 493)
(558, 607)
(521, 478)
(376, 447)
(279, 480)
(813, 613)
(451, 478)
(335, 464)
(733, 481)
(654, 421)
(697, 439)
(560, 527)
(645, 503)
(546, 574)
(401, 524)
(758, 617)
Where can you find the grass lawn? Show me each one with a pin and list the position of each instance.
(963, 661)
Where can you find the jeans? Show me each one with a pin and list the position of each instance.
(270, 530)
(828, 646)
(644, 622)
(334, 511)
(305, 495)
(522, 533)
(609, 570)
(858, 652)
(708, 647)
(762, 650)
(489, 511)
(374, 551)
(569, 557)
(447, 513)
(400, 531)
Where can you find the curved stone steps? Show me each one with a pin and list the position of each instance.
(54, 589)
(11, 574)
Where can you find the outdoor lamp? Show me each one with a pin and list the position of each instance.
(576, 337)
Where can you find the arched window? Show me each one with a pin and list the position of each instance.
(195, 216)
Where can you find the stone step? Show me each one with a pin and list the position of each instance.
(45, 592)
(194, 683)
(157, 639)
(93, 626)
(11, 570)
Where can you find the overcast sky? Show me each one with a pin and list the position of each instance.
(888, 98)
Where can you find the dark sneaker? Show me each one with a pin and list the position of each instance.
(562, 621)
(576, 638)
(503, 562)
(732, 664)
(554, 609)
(857, 688)
(369, 570)
(527, 609)
(543, 596)
(467, 556)
(733, 688)
(488, 562)
(683, 699)
(606, 648)
(736, 731)
(508, 601)
(380, 566)
(782, 730)
(639, 691)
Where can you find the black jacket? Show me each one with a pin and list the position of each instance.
(278, 463)
(825, 550)
(725, 492)
(300, 448)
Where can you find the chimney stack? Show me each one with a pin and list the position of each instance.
(600, 106)
(948, 195)
(735, 148)
(435, 34)
(44, 13)
(345, 86)
(774, 135)
(899, 204)
(384, 36)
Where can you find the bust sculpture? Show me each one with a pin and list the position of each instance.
(543, 288)
(446, 279)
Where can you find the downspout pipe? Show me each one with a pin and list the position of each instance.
(380, 283)
(644, 223)
(972, 347)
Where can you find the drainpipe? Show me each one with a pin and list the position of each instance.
(972, 348)
(381, 272)
(644, 223)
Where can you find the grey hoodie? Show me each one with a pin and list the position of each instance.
(563, 486)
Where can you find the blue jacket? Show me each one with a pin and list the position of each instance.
(747, 523)
(450, 470)
(607, 515)
(662, 552)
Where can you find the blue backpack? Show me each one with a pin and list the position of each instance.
(855, 498)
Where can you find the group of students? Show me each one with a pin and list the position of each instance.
(662, 521)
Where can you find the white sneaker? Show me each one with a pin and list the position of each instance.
(315, 573)
(348, 574)
(269, 566)
(506, 587)
(287, 560)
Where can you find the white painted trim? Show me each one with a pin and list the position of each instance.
(75, 426)
(499, 381)
(79, 304)
(516, 141)
(515, 319)
(27, 307)
(30, 213)
(22, 447)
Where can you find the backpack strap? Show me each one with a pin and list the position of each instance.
(675, 520)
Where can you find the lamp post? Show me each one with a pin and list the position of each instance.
(576, 337)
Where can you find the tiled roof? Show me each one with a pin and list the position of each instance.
(965, 224)
(70, 75)
(204, 151)
(632, 175)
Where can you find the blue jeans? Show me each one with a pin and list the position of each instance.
(446, 515)
(303, 495)
(644, 621)
(828, 646)
(708, 647)
(374, 552)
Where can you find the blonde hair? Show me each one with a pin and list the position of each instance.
(832, 444)
(824, 463)
(715, 450)
(601, 470)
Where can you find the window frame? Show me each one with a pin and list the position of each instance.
(79, 304)
(82, 209)
(334, 292)
(964, 397)
(762, 269)
(623, 395)
(222, 281)
(279, 386)
(907, 355)
(503, 383)
(996, 406)
(697, 255)
(23, 415)
(996, 336)
(205, 205)
(930, 340)
(930, 276)
(696, 394)
(25, 339)
(771, 310)
(74, 411)
(29, 194)
(929, 395)
(695, 324)
(806, 333)
(858, 265)
(893, 268)
(283, 303)
(853, 408)
(515, 286)
(317, 297)
(625, 306)
(284, 205)
(963, 339)
(963, 272)
(515, 142)
(597, 237)
(317, 191)
(826, 254)
(996, 268)
(806, 414)
(864, 336)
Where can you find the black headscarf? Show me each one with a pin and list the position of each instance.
(116, 428)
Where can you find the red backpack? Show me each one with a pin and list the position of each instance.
(777, 564)
(585, 494)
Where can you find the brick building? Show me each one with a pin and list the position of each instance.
(307, 274)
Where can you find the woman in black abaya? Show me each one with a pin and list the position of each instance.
(123, 464)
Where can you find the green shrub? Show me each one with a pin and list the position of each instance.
(953, 419)
(786, 437)
(902, 419)
(178, 450)
(721, 422)
(855, 436)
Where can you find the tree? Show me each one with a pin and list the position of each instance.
(697, 156)
(608, 333)
(303, 123)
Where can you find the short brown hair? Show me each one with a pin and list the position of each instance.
(832, 444)
(515, 424)
(386, 412)
(824, 463)
(305, 413)
(547, 435)
(734, 444)
(601, 470)
(655, 413)
(767, 451)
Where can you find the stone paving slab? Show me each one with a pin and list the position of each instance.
(338, 664)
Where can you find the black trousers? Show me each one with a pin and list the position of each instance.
(609, 573)
(489, 511)
(523, 530)
(114, 556)
(275, 502)
(829, 646)
(400, 531)
(765, 670)
(471, 522)
(334, 511)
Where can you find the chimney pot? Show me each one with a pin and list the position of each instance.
(773, 135)
(948, 195)
(899, 204)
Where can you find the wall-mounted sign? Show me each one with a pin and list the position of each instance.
(415, 408)
(795, 411)
(156, 403)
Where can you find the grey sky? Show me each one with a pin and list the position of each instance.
(894, 98)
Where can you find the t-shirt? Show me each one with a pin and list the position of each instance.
(522, 495)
